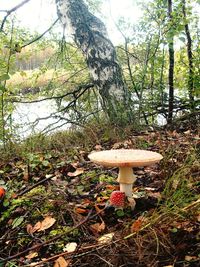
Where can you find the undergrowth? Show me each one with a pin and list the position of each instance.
(51, 177)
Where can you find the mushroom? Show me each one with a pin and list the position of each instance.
(117, 199)
(125, 159)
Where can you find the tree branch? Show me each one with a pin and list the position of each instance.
(11, 11)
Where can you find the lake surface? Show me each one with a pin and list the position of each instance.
(26, 114)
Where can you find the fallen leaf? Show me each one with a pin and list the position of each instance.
(17, 221)
(190, 258)
(47, 223)
(26, 173)
(61, 262)
(98, 227)
(98, 210)
(36, 227)
(136, 226)
(31, 255)
(77, 172)
(106, 238)
(70, 247)
(80, 210)
(42, 225)
(29, 229)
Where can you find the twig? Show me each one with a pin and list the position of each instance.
(33, 186)
(193, 204)
(54, 238)
(48, 241)
(11, 11)
(41, 35)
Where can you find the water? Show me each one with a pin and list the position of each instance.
(33, 118)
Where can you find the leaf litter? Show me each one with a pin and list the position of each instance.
(59, 215)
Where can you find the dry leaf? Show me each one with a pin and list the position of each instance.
(106, 238)
(136, 226)
(70, 247)
(29, 229)
(43, 225)
(190, 258)
(26, 174)
(98, 227)
(98, 210)
(81, 211)
(31, 255)
(61, 262)
(77, 172)
(47, 223)
(36, 227)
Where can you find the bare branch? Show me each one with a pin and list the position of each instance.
(41, 35)
(11, 11)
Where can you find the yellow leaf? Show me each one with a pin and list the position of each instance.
(61, 262)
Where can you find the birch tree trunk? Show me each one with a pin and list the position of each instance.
(91, 37)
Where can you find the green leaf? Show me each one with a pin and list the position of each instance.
(4, 77)
(45, 163)
(120, 213)
(174, 230)
(6, 203)
(17, 222)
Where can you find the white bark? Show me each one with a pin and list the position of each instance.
(90, 35)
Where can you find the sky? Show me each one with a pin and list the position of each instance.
(38, 15)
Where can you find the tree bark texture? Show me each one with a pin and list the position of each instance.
(190, 58)
(91, 37)
(171, 64)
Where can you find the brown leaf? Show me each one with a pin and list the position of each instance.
(80, 210)
(29, 229)
(36, 227)
(136, 226)
(190, 258)
(98, 210)
(47, 223)
(77, 172)
(31, 255)
(98, 227)
(43, 225)
(61, 262)
(26, 173)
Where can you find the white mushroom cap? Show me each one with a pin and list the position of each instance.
(125, 157)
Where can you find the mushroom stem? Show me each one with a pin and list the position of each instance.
(126, 178)
(127, 189)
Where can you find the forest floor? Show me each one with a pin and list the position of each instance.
(54, 211)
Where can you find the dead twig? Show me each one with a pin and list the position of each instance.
(11, 11)
(33, 186)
